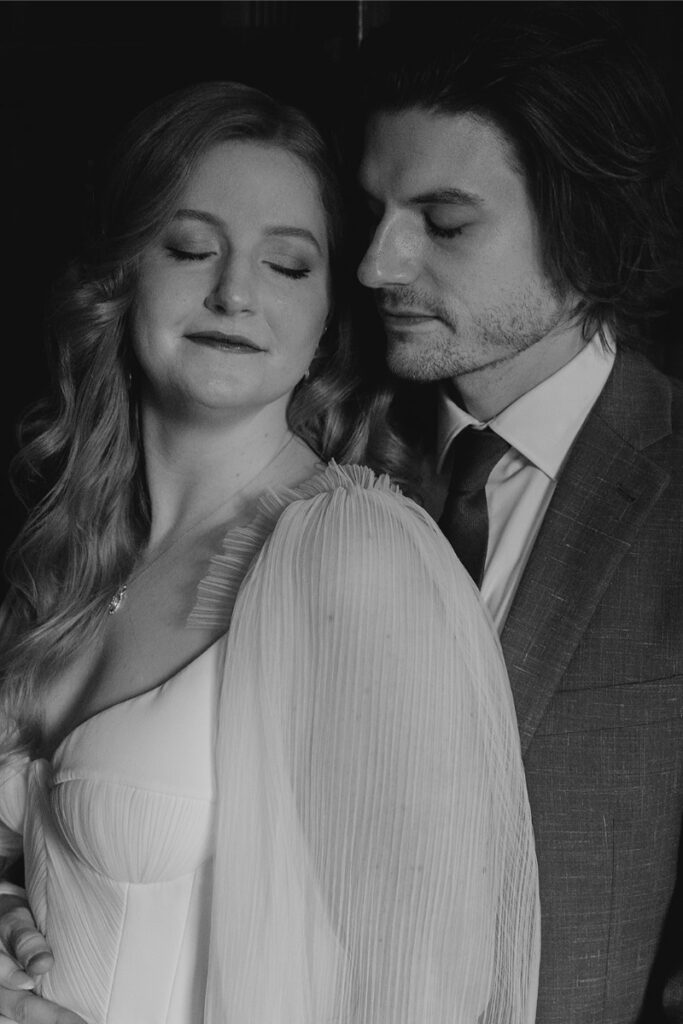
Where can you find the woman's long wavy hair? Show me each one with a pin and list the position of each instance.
(80, 468)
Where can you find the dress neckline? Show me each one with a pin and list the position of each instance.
(217, 590)
(135, 696)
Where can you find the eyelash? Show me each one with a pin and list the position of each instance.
(182, 254)
(438, 232)
(295, 273)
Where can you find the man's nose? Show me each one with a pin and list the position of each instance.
(393, 256)
(232, 289)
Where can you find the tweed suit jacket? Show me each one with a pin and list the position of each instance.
(594, 649)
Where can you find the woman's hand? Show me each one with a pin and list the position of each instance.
(27, 1008)
(24, 954)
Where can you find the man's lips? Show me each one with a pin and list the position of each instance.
(218, 339)
(405, 317)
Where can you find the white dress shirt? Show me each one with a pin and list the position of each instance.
(540, 427)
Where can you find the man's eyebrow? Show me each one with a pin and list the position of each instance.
(447, 197)
(276, 231)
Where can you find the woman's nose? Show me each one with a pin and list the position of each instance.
(392, 257)
(232, 288)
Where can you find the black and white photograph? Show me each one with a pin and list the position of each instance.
(341, 608)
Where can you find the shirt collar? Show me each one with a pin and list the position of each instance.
(542, 423)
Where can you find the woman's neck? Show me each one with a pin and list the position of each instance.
(193, 470)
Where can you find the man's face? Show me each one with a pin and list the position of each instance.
(455, 259)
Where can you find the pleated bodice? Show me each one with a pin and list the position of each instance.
(118, 849)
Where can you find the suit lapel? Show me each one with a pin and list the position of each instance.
(605, 492)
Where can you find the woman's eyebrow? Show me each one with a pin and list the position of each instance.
(287, 230)
(274, 231)
(206, 218)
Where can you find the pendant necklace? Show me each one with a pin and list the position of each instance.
(116, 600)
(120, 593)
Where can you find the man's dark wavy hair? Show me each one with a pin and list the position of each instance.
(590, 127)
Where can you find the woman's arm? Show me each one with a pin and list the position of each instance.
(24, 953)
(386, 864)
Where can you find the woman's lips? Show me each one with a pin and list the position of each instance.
(228, 342)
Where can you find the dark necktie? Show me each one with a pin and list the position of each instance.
(465, 520)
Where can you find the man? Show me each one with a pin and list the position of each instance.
(519, 186)
(519, 181)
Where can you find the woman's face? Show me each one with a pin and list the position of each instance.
(233, 296)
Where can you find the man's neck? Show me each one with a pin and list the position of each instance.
(486, 392)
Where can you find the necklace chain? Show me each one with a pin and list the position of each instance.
(120, 592)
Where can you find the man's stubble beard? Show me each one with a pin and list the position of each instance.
(450, 350)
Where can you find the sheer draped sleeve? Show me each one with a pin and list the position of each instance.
(374, 853)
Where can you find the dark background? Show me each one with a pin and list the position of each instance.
(74, 73)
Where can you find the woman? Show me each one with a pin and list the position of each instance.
(261, 753)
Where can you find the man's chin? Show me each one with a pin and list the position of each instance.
(413, 362)
(416, 370)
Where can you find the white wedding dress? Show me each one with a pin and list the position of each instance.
(322, 819)
(118, 846)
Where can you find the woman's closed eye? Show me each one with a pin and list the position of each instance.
(187, 254)
(295, 272)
